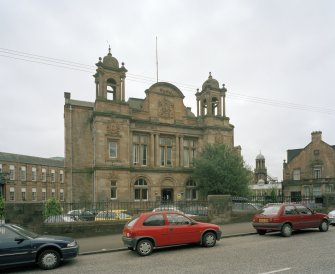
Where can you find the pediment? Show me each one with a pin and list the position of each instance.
(165, 89)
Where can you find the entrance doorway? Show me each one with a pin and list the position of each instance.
(167, 195)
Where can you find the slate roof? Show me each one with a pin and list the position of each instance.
(24, 159)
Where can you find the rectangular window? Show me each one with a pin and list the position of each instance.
(113, 190)
(141, 194)
(307, 191)
(23, 173)
(0, 168)
(296, 174)
(61, 176)
(140, 149)
(166, 145)
(12, 172)
(33, 194)
(61, 194)
(53, 193)
(23, 194)
(316, 191)
(112, 150)
(189, 152)
(317, 172)
(44, 175)
(53, 176)
(191, 194)
(33, 174)
(11, 194)
(44, 194)
(329, 188)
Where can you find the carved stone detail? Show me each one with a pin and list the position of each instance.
(113, 128)
(165, 109)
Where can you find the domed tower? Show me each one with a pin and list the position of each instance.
(260, 172)
(110, 79)
(211, 99)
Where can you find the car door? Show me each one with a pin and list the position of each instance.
(292, 216)
(155, 227)
(14, 248)
(308, 219)
(181, 229)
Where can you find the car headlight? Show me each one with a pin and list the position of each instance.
(72, 244)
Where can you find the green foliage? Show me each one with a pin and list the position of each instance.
(2, 208)
(221, 170)
(52, 207)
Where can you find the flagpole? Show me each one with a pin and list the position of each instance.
(156, 62)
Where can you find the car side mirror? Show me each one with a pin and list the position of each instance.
(19, 240)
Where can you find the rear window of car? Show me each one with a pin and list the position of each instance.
(132, 222)
(270, 210)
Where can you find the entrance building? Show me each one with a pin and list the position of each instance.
(139, 149)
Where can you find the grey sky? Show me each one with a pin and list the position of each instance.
(276, 58)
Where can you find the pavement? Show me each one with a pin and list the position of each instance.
(113, 242)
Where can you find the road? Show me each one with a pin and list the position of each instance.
(304, 252)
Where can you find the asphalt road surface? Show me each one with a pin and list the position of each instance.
(304, 252)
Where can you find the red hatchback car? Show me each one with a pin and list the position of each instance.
(158, 229)
(288, 217)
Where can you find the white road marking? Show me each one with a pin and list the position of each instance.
(277, 271)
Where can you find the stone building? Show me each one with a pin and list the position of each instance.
(31, 179)
(310, 171)
(140, 149)
(263, 184)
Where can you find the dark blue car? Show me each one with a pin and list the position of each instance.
(19, 246)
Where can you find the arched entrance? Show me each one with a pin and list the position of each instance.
(167, 195)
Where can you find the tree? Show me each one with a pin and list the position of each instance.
(221, 170)
(2, 208)
(52, 207)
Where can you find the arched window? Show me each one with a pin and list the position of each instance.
(204, 107)
(191, 190)
(215, 106)
(141, 190)
(111, 89)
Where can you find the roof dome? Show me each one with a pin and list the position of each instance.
(260, 157)
(109, 61)
(211, 83)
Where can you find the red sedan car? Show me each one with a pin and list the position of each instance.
(288, 217)
(158, 229)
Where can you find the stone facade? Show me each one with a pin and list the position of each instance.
(31, 179)
(140, 149)
(310, 171)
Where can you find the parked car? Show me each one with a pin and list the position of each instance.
(81, 215)
(288, 217)
(331, 216)
(196, 210)
(239, 207)
(112, 215)
(19, 246)
(59, 219)
(165, 228)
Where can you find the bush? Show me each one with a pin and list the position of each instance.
(52, 207)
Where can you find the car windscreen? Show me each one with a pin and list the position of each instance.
(270, 210)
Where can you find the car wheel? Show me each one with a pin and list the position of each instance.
(324, 225)
(144, 247)
(209, 239)
(286, 230)
(261, 232)
(48, 259)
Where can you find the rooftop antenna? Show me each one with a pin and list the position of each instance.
(156, 62)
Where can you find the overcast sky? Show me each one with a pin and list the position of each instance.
(276, 58)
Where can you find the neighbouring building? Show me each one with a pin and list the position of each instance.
(140, 149)
(31, 179)
(263, 184)
(309, 171)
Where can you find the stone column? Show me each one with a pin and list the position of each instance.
(152, 150)
(177, 151)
